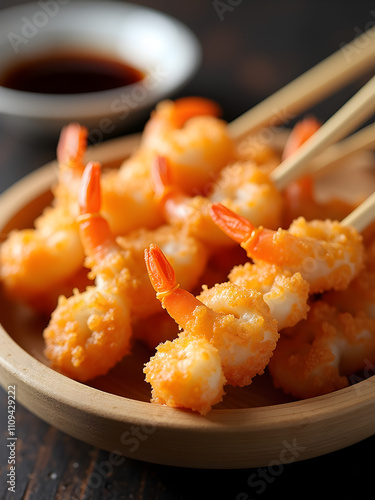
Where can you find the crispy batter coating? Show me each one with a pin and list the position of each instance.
(317, 356)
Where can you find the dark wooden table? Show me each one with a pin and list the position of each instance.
(250, 49)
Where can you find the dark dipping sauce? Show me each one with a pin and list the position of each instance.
(70, 73)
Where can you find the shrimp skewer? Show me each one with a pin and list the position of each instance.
(327, 254)
(336, 340)
(235, 321)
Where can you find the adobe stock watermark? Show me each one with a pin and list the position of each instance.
(132, 439)
(264, 476)
(223, 6)
(126, 102)
(30, 27)
(363, 38)
(11, 440)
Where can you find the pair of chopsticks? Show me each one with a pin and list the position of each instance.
(306, 90)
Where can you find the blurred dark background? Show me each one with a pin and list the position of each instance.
(250, 49)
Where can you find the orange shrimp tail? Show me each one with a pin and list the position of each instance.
(72, 145)
(89, 197)
(301, 132)
(161, 272)
(179, 303)
(257, 241)
(235, 226)
(95, 232)
(189, 107)
(160, 176)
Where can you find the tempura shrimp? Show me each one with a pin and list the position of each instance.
(196, 144)
(90, 332)
(242, 187)
(235, 321)
(195, 141)
(319, 354)
(37, 264)
(188, 255)
(358, 296)
(186, 373)
(327, 254)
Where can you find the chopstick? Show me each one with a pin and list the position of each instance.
(363, 215)
(346, 119)
(364, 139)
(334, 72)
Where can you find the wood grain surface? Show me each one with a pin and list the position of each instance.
(52, 465)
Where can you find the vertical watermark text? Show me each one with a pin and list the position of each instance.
(11, 439)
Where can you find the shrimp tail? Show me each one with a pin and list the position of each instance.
(234, 225)
(72, 145)
(259, 242)
(95, 232)
(179, 303)
(89, 197)
(161, 179)
(161, 273)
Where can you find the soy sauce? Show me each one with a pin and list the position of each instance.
(70, 73)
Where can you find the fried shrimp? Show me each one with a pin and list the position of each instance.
(319, 354)
(82, 325)
(90, 332)
(358, 296)
(187, 255)
(242, 187)
(54, 245)
(186, 373)
(190, 135)
(285, 293)
(196, 144)
(327, 254)
(37, 263)
(235, 321)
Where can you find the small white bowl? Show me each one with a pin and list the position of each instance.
(158, 45)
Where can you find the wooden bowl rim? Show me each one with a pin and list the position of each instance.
(41, 387)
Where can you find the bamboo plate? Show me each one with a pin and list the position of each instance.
(253, 427)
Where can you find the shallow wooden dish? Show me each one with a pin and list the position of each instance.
(255, 426)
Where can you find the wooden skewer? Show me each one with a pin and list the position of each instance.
(334, 72)
(346, 119)
(364, 139)
(363, 215)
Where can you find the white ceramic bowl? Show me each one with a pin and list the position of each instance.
(158, 45)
